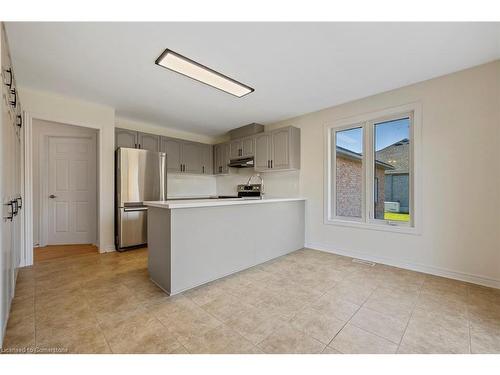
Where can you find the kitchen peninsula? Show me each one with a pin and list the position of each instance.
(192, 242)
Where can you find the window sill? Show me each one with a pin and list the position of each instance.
(403, 229)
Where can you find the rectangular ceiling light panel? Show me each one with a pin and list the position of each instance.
(189, 68)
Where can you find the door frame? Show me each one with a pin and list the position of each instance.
(43, 160)
(27, 253)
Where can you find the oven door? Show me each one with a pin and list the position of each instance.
(132, 226)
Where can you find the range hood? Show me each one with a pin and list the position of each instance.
(241, 163)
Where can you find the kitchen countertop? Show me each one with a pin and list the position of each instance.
(186, 203)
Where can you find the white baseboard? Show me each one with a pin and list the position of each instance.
(106, 248)
(437, 271)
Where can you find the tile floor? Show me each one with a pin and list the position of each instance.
(305, 302)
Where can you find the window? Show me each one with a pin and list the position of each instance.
(348, 176)
(371, 170)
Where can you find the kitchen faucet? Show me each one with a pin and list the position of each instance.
(261, 182)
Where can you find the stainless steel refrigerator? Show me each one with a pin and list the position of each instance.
(140, 176)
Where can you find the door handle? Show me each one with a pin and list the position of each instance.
(52, 196)
(11, 211)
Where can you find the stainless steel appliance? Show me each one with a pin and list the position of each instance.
(140, 176)
(248, 191)
(241, 163)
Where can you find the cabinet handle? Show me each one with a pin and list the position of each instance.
(11, 213)
(135, 145)
(14, 102)
(9, 83)
(139, 145)
(203, 169)
(15, 207)
(271, 164)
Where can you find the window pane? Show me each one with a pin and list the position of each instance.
(349, 172)
(392, 170)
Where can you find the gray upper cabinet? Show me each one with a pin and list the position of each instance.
(192, 157)
(187, 157)
(222, 156)
(241, 148)
(235, 148)
(280, 141)
(278, 150)
(148, 142)
(262, 152)
(207, 158)
(135, 139)
(173, 148)
(125, 138)
(248, 147)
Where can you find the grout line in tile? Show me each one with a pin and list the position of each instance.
(468, 318)
(411, 314)
(347, 322)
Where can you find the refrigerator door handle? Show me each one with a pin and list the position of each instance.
(135, 209)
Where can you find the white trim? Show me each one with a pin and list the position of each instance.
(364, 121)
(418, 267)
(27, 251)
(28, 233)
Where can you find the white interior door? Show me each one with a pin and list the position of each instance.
(71, 190)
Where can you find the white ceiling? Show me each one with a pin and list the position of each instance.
(294, 68)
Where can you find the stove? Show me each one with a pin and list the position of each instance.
(250, 191)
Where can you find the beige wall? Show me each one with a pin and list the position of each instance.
(50, 107)
(460, 234)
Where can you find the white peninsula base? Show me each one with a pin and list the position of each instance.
(193, 242)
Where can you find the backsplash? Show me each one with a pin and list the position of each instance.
(282, 184)
(184, 185)
(276, 184)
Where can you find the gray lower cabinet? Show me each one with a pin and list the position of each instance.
(125, 138)
(278, 150)
(150, 142)
(222, 156)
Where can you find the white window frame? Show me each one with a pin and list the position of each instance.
(366, 122)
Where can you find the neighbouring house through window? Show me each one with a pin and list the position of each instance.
(370, 170)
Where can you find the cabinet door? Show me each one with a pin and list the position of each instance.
(207, 159)
(235, 149)
(192, 157)
(125, 138)
(280, 149)
(149, 142)
(221, 154)
(262, 152)
(247, 147)
(225, 158)
(172, 147)
(217, 159)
